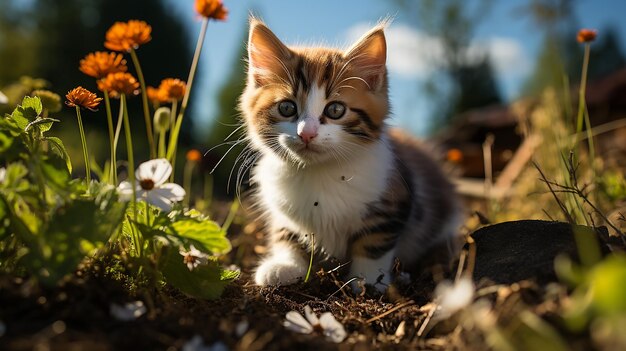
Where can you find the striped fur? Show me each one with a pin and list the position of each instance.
(365, 192)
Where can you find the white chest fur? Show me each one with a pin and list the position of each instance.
(328, 199)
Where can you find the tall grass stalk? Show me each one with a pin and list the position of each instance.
(171, 149)
(83, 140)
(113, 167)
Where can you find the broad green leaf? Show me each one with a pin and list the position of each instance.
(8, 124)
(204, 281)
(57, 145)
(27, 112)
(55, 172)
(14, 177)
(32, 103)
(6, 140)
(44, 124)
(207, 235)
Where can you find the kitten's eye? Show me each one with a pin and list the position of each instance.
(335, 110)
(287, 108)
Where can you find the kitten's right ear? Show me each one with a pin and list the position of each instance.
(266, 53)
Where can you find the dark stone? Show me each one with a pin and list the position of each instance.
(512, 251)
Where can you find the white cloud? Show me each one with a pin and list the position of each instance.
(412, 53)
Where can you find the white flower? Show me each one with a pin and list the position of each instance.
(197, 344)
(130, 311)
(150, 185)
(194, 257)
(326, 324)
(3, 174)
(3, 99)
(453, 297)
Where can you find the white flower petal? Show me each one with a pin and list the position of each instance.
(175, 192)
(333, 330)
(125, 191)
(310, 316)
(3, 99)
(155, 198)
(455, 296)
(295, 322)
(157, 170)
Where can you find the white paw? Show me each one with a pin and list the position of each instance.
(273, 272)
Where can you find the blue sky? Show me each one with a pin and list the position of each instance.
(509, 37)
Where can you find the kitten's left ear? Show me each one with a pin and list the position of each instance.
(369, 55)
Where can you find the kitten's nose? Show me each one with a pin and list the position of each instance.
(307, 129)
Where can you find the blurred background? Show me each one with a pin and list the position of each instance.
(462, 73)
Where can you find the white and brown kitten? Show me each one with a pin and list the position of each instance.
(330, 166)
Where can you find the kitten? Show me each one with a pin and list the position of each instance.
(330, 166)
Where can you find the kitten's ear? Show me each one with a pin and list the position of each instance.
(369, 55)
(266, 53)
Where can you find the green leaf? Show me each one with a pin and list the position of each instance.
(55, 172)
(8, 124)
(75, 230)
(204, 281)
(44, 124)
(6, 140)
(27, 112)
(206, 235)
(57, 145)
(14, 177)
(32, 103)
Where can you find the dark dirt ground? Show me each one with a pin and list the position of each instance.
(512, 264)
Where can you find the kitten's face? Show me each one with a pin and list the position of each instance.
(311, 105)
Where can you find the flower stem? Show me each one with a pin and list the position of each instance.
(173, 118)
(581, 92)
(83, 140)
(187, 174)
(171, 149)
(144, 98)
(161, 151)
(113, 170)
(116, 138)
(131, 172)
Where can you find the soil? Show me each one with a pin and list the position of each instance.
(514, 258)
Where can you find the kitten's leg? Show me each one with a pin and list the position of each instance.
(372, 257)
(284, 264)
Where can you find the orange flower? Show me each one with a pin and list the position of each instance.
(586, 35)
(194, 155)
(154, 95)
(119, 83)
(172, 89)
(455, 155)
(99, 64)
(124, 36)
(212, 9)
(82, 97)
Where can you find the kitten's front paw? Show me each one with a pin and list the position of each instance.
(279, 273)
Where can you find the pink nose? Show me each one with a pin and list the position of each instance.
(307, 136)
(307, 129)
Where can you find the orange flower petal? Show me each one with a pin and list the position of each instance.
(83, 98)
(125, 36)
(586, 35)
(212, 9)
(99, 64)
(171, 89)
(119, 83)
(194, 155)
